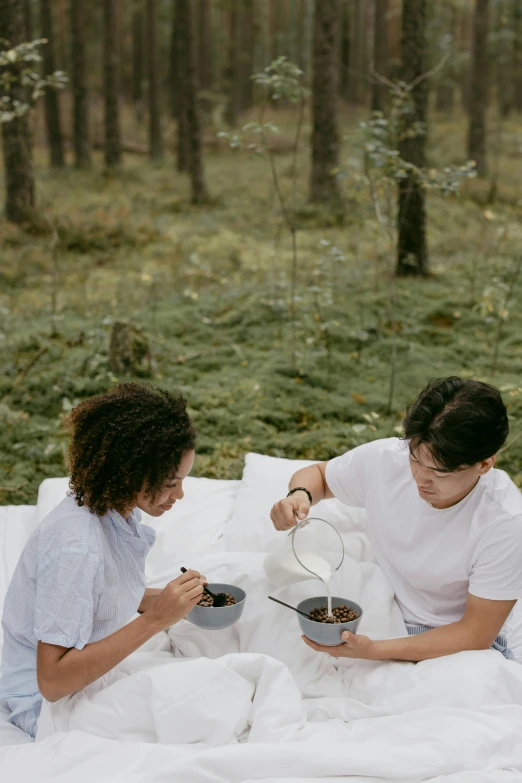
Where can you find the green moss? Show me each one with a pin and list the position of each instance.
(209, 287)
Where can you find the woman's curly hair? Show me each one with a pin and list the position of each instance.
(130, 438)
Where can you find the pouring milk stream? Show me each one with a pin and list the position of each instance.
(290, 563)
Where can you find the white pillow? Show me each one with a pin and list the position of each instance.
(265, 480)
(16, 525)
(50, 492)
(192, 527)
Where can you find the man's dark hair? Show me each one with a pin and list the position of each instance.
(461, 422)
(130, 437)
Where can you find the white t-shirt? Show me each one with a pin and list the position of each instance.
(433, 557)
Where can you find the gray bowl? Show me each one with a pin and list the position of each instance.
(328, 634)
(213, 618)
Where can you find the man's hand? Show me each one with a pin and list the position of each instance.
(288, 511)
(354, 646)
(177, 599)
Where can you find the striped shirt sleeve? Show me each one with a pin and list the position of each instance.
(69, 584)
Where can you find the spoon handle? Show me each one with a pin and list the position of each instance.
(290, 607)
(205, 589)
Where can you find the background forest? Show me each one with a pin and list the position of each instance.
(296, 213)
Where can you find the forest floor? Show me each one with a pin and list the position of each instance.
(209, 286)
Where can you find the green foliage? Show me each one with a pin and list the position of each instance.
(17, 68)
(209, 289)
(281, 81)
(382, 136)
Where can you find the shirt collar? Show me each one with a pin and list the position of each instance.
(129, 525)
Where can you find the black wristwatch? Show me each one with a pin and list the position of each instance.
(303, 489)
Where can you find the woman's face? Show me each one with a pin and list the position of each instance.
(170, 493)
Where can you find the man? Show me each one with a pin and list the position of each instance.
(444, 524)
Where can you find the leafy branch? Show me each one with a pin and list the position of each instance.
(281, 80)
(17, 68)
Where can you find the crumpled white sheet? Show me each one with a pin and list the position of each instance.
(283, 712)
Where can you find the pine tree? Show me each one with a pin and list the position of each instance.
(380, 53)
(51, 102)
(358, 53)
(517, 57)
(188, 108)
(155, 137)
(232, 71)
(325, 136)
(111, 86)
(345, 49)
(205, 74)
(82, 150)
(18, 168)
(412, 255)
(28, 21)
(137, 57)
(479, 88)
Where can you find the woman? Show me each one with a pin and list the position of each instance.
(81, 575)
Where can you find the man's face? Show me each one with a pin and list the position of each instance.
(170, 493)
(440, 487)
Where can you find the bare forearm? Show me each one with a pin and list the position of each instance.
(78, 668)
(313, 479)
(149, 598)
(446, 640)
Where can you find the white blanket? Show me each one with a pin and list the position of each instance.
(187, 707)
(282, 711)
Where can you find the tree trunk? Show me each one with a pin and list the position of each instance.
(52, 107)
(155, 137)
(261, 23)
(357, 70)
(517, 58)
(82, 149)
(380, 54)
(445, 91)
(137, 57)
(18, 167)
(345, 49)
(246, 53)
(294, 31)
(325, 137)
(412, 255)
(111, 86)
(504, 57)
(479, 88)
(28, 21)
(177, 67)
(308, 40)
(173, 63)
(205, 71)
(188, 100)
(232, 73)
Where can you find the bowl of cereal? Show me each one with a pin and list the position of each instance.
(213, 618)
(322, 629)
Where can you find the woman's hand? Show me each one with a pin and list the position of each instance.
(177, 599)
(286, 513)
(354, 646)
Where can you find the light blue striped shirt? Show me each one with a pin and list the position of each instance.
(79, 579)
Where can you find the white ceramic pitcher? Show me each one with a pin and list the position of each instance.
(291, 562)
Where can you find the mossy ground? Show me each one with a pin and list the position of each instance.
(209, 286)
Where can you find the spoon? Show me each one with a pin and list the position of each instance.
(290, 607)
(219, 599)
